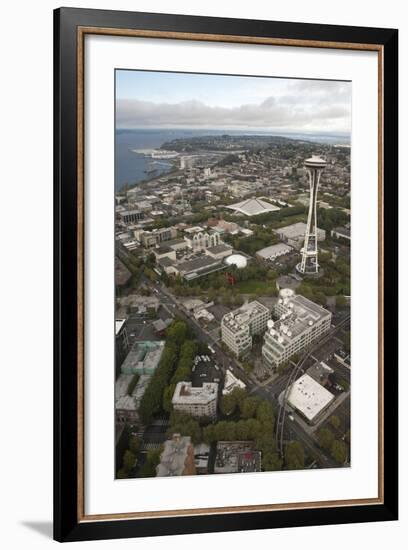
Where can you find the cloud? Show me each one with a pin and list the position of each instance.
(304, 106)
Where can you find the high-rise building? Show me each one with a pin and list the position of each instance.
(299, 323)
(309, 260)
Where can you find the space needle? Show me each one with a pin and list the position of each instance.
(309, 264)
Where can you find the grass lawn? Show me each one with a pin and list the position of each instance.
(255, 287)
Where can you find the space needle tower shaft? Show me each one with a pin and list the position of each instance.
(309, 254)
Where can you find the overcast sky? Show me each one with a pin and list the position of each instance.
(175, 100)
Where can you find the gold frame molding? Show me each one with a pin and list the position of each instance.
(82, 31)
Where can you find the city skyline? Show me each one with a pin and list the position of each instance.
(232, 275)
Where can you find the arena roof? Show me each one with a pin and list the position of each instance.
(253, 207)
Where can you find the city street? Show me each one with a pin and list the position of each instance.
(292, 430)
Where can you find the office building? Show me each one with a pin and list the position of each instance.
(299, 323)
(238, 326)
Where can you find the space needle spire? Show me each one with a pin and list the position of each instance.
(309, 263)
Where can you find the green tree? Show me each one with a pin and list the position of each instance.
(129, 459)
(325, 438)
(248, 407)
(186, 425)
(248, 367)
(232, 400)
(188, 351)
(177, 332)
(320, 298)
(266, 414)
(134, 444)
(335, 422)
(341, 301)
(209, 434)
(294, 456)
(152, 460)
(152, 400)
(339, 451)
(122, 474)
(167, 397)
(271, 462)
(242, 430)
(228, 403)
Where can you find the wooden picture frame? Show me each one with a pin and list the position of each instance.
(70, 27)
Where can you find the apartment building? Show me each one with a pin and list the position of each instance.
(196, 401)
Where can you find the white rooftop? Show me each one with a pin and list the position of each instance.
(240, 318)
(309, 397)
(296, 230)
(231, 382)
(186, 393)
(253, 207)
(238, 260)
(123, 401)
(273, 250)
(118, 325)
(300, 313)
(173, 457)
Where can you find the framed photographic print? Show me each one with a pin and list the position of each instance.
(225, 274)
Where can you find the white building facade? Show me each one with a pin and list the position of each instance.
(299, 323)
(198, 402)
(238, 326)
(202, 240)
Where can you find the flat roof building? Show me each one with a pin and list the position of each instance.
(238, 326)
(127, 405)
(231, 382)
(320, 372)
(177, 458)
(198, 402)
(294, 234)
(236, 456)
(143, 358)
(201, 457)
(198, 267)
(274, 251)
(341, 233)
(219, 251)
(299, 323)
(309, 398)
(131, 216)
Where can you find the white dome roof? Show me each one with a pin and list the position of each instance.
(286, 293)
(236, 259)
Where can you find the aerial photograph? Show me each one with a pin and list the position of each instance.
(232, 274)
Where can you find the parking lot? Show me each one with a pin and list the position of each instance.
(205, 370)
